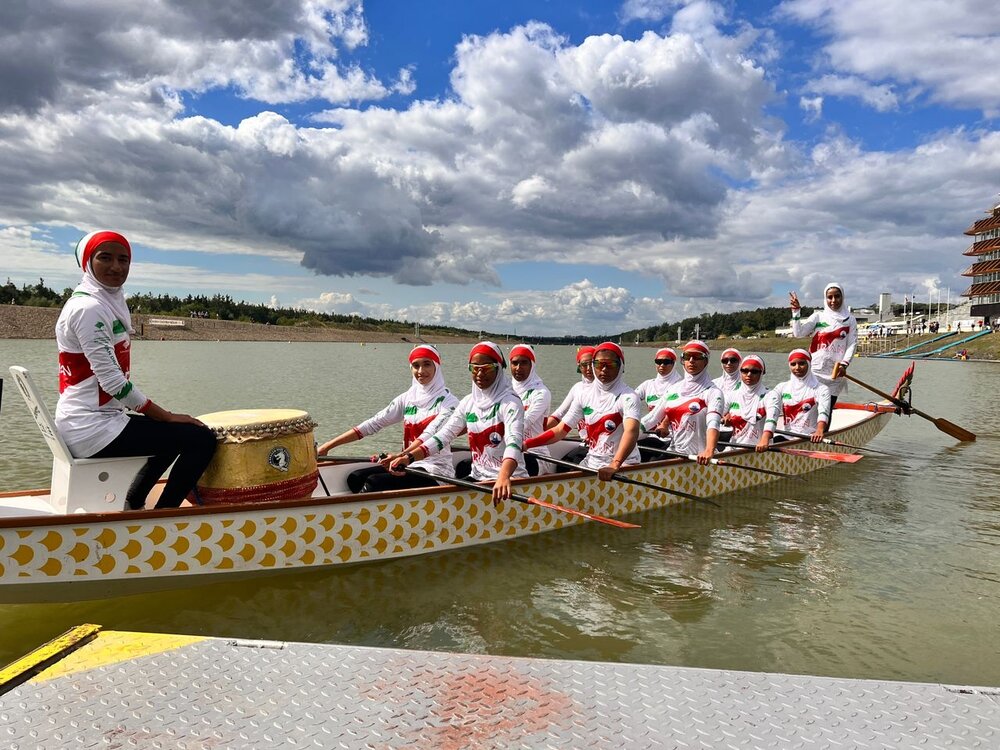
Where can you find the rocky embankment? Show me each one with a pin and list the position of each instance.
(18, 322)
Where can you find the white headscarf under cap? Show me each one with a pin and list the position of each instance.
(424, 396)
(111, 297)
(531, 383)
(484, 399)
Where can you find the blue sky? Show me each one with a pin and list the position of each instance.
(544, 167)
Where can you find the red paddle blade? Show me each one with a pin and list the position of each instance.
(847, 458)
(590, 516)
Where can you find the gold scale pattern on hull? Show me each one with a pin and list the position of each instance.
(272, 538)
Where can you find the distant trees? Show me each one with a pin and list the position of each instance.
(763, 320)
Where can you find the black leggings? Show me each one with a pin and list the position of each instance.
(191, 445)
(377, 479)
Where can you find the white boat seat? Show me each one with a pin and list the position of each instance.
(79, 485)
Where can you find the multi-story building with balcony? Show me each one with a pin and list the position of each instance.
(984, 293)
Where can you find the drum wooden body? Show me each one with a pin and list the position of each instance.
(263, 455)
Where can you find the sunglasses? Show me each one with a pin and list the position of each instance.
(584, 366)
(601, 364)
(483, 368)
(663, 361)
(750, 371)
(688, 356)
(730, 361)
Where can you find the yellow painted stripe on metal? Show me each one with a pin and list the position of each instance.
(56, 649)
(114, 647)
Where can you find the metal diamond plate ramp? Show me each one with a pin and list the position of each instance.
(123, 690)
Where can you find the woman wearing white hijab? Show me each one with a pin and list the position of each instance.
(802, 402)
(611, 412)
(535, 396)
(96, 395)
(691, 409)
(494, 418)
(652, 390)
(834, 331)
(422, 409)
(745, 405)
(729, 380)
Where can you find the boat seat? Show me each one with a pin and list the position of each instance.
(79, 485)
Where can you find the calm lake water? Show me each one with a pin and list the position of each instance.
(888, 568)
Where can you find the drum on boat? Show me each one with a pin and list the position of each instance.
(263, 455)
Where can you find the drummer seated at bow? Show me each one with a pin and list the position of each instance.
(610, 411)
(422, 409)
(101, 413)
(492, 415)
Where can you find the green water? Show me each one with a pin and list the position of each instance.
(888, 568)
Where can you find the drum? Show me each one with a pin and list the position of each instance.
(263, 455)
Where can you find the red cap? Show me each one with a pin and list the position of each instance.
(695, 346)
(730, 350)
(88, 244)
(488, 349)
(584, 350)
(754, 359)
(425, 351)
(523, 350)
(610, 346)
(664, 353)
(799, 354)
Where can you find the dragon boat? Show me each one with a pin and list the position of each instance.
(69, 544)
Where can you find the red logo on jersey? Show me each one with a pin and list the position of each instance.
(604, 425)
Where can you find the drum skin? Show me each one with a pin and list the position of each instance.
(263, 455)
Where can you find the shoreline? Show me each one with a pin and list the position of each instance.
(19, 322)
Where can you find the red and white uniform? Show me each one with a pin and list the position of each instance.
(423, 410)
(834, 338)
(745, 406)
(534, 395)
(799, 402)
(494, 419)
(603, 410)
(693, 407)
(728, 382)
(577, 389)
(92, 335)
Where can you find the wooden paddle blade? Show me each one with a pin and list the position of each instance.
(959, 433)
(847, 458)
(575, 512)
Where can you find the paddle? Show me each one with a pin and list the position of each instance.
(959, 433)
(620, 478)
(347, 459)
(849, 458)
(521, 498)
(831, 441)
(723, 462)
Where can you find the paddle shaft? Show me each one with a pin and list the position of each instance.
(824, 455)
(959, 433)
(521, 498)
(620, 478)
(831, 441)
(723, 462)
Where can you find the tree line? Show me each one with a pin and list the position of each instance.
(760, 322)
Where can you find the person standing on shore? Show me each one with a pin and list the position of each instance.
(422, 409)
(834, 331)
(100, 413)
